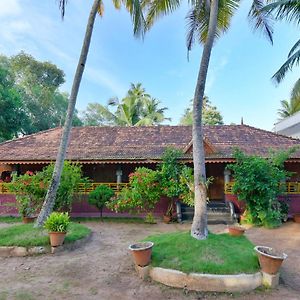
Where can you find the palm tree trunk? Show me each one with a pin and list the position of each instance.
(52, 190)
(199, 226)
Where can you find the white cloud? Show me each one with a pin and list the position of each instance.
(10, 8)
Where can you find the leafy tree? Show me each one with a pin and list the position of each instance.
(288, 108)
(210, 115)
(288, 10)
(135, 10)
(136, 109)
(100, 196)
(12, 112)
(257, 182)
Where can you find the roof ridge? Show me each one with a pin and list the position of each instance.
(29, 135)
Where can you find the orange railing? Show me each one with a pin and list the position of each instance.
(82, 187)
(290, 188)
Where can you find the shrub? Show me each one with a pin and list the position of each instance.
(257, 182)
(100, 196)
(57, 222)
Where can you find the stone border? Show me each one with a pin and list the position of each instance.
(15, 251)
(202, 282)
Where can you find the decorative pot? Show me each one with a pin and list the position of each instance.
(269, 260)
(167, 219)
(141, 253)
(296, 218)
(57, 238)
(236, 230)
(27, 220)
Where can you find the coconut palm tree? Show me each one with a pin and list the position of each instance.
(206, 21)
(134, 8)
(290, 107)
(286, 10)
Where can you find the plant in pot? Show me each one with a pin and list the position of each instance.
(236, 230)
(141, 253)
(25, 208)
(57, 225)
(100, 196)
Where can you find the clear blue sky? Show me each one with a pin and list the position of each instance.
(239, 76)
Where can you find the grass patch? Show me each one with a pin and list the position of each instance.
(109, 219)
(218, 254)
(10, 219)
(26, 236)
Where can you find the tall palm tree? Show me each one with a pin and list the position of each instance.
(206, 20)
(286, 10)
(288, 108)
(134, 8)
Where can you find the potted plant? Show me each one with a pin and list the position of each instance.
(167, 218)
(57, 225)
(236, 230)
(141, 253)
(25, 208)
(296, 218)
(269, 260)
(100, 196)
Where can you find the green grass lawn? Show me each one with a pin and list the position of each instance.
(25, 235)
(4, 219)
(110, 219)
(218, 254)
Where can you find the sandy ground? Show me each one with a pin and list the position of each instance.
(103, 268)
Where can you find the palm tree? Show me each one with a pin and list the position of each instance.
(288, 108)
(207, 20)
(136, 109)
(134, 8)
(286, 10)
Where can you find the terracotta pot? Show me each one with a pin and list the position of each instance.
(57, 238)
(167, 219)
(269, 260)
(296, 218)
(141, 253)
(236, 230)
(27, 220)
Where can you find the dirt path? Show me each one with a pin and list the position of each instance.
(103, 269)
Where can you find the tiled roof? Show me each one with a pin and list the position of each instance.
(129, 143)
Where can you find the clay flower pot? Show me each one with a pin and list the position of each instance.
(296, 218)
(236, 230)
(167, 219)
(141, 253)
(269, 260)
(27, 220)
(57, 238)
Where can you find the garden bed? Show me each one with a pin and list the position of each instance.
(25, 235)
(218, 254)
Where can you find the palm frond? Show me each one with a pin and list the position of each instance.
(262, 19)
(294, 48)
(100, 9)
(287, 66)
(296, 90)
(62, 6)
(285, 9)
(136, 11)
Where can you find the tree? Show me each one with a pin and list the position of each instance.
(210, 115)
(288, 108)
(206, 21)
(12, 111)
(136, 109)
(286, 10)
(134, 8)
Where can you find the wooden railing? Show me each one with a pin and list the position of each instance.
(82, 187)
(290, 188)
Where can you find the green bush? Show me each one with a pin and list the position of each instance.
(257, 182)
(57, 222)
(100, 196)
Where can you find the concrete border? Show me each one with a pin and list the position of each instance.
(15, 251)
(206, 282)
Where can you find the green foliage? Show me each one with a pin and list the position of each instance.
(142, 194)
(57, 222)
(136, 109)
(186, 182)
(100, 196)
(218, 254)
(26, 235)
(149, 219)
(71, 177)
(30, 190)
(257, 182)
(210, 115)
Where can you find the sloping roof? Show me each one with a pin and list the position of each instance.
(141, 143)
